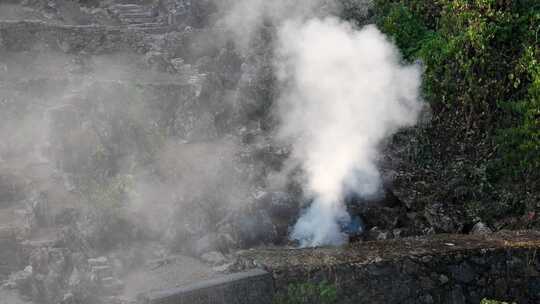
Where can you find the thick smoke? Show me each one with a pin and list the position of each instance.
(242, 18)
(346, 91)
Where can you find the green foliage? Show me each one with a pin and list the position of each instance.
(482, 62)
(323, 293)
(522, 141)
(408, 31)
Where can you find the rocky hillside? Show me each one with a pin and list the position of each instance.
(138, 141)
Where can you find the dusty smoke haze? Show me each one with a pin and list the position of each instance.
(345, 91)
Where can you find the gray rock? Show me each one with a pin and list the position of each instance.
(100, 261)
(75, 278)
(214, 258)
(224, 268)
(463, 273)
(376, 234)
(443, 279)
(481, 229)
(102, 271)
(68, 298)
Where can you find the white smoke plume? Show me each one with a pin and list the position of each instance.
(346, 90)
(242, 18)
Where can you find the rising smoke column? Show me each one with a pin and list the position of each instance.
(345, 91)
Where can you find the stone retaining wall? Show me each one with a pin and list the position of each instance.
(440, 269)
(18, 36)
(255, 286)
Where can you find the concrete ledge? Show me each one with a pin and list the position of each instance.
(255, 286)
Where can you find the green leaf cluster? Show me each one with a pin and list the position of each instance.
(482, 63)
(323, 293)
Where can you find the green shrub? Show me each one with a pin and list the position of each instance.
(521, 143)
(482, 62)
(323, 293)
(478, 55)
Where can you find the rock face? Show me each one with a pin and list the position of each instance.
(439, 269)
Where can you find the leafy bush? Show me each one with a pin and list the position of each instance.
(324, 293)
(481, 61)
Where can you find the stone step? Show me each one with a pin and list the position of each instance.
(129, 12)
(155, 31)
(97, 262)
(127, 9)
(133, 10)
(33, 244)
(125, 6)
(112, 285)
(137, 20)
(155, 84)
(148, 25)
(137, 15)
(102, 271)
(151, 28)
(27, 35)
